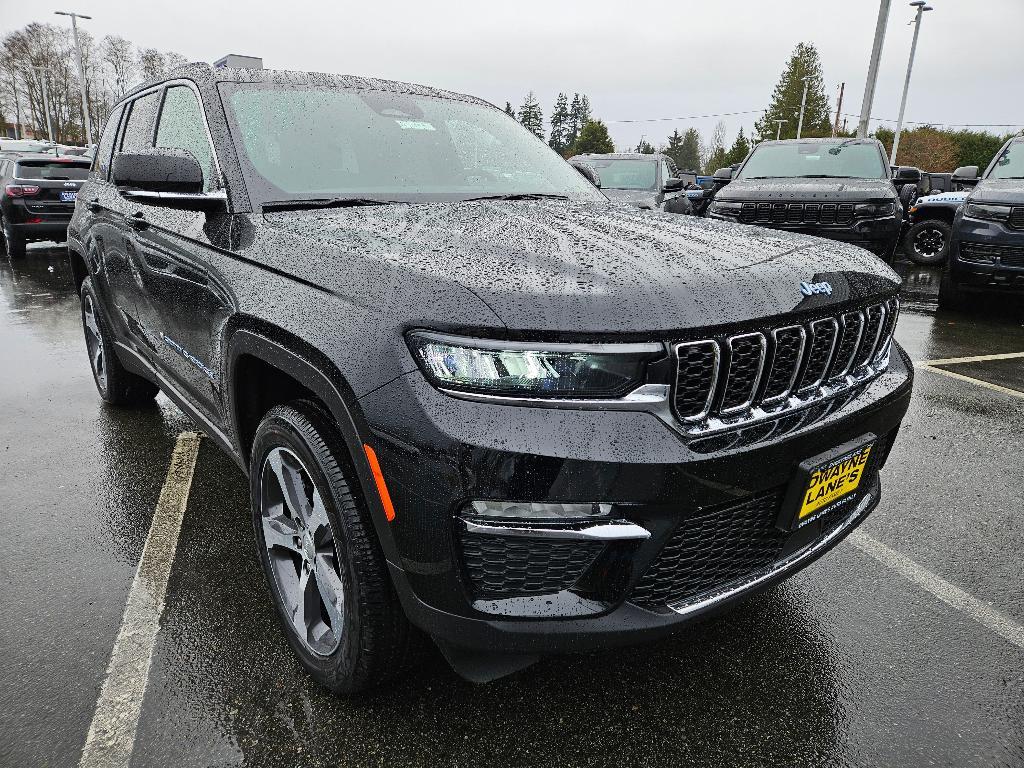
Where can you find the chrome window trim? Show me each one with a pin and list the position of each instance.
(715, 373)
(832, 350)
(763, 343)
(796, 368)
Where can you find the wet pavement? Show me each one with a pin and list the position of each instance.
(848, 663)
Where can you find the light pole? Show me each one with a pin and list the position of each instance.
(81, 72)
(778, 131)
(46, 102)
(876, 57)
(803, 103)
(921, 8)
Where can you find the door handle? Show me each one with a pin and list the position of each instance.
(94, 205)
(137, 220)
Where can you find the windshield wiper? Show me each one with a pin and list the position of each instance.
(517, 196)
(823, 176)
(323, 202)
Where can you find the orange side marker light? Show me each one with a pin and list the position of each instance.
(378, 478)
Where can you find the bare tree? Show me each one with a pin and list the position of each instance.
(119, 56)
(152, 63)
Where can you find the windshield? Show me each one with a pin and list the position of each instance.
(839, 159)
(57, 170)
(305, 142)
(1010, 163)
(625, 174)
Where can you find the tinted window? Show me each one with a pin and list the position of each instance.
(138, 130)
(102, 162)
(307, 141)
(181, 126)
(839, 159)
(58, 170)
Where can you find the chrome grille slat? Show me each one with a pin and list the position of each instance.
(729, 382)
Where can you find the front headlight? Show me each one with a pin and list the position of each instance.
(534, 370)
(726, 207)
(987, 212)
(873, 210)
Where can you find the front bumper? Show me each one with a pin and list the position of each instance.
(1002, 248)
(438, 452)
(880, 236)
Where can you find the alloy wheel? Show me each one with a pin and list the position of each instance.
(93, 341)
(302, 551)
(929, 242)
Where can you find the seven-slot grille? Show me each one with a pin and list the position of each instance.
(990, 253)
(796, 213)
(728, 377)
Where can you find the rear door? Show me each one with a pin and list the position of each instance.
(183, 302)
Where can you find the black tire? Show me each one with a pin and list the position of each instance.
(927, 242)
(14, 243)
(374, 640)
(951, 295)
(116, 384)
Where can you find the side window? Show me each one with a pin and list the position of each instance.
(181, 126)
(101, 164)
(138, 129)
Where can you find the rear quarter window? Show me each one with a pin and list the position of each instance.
(138, 129)
(106, 146)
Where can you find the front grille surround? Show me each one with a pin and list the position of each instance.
(836, 354)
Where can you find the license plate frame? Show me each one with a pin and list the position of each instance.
(68, 197)
(809, 498)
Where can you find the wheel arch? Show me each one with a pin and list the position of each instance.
(929, 213)
(289, 368)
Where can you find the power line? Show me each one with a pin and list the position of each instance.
(939, 122)
(690, 117)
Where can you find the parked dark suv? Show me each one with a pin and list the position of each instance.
(649, 181)
(986, 252)
(475, 400)
(842, 189)
(37, 198)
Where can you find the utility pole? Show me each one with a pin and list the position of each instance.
(921, 8)
(46, 102)
(803, 103)
(876, 57)
(778, 131)
(839, 109)
(81, 72)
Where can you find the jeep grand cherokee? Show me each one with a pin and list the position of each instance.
(475, 400)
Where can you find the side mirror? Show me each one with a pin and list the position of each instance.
(906, 174)
(588, 172)
(673, 185)
(723, 176)
(158, 170)
(966, 175)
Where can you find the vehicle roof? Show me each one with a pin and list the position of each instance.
(202, 72)
(822, 140)
(50, 156)
(620, 155)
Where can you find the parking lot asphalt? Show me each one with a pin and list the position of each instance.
(862, 659)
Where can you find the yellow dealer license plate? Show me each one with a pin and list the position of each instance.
(827, 481)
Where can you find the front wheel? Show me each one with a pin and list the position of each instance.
(927, 242)
(321, 559)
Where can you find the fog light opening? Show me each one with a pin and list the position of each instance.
(536, 511)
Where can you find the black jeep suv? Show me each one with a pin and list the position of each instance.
(986, 252)
(842, 189)
(37, 198)
(475, 400)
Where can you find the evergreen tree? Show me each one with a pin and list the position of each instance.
(584, 110)
(739, 150)
(508, 109)
(645, 147)
(593, 138)
(531, 116)
(685, 149)
(559, 140)
(785, 102)
(574, 124)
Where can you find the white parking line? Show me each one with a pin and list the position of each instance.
(981, 612)
(973, 359)
(112, 733)
(971, 380)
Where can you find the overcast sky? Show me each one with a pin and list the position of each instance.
(635, 60)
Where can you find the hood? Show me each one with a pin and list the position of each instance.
(564, 267)
(1009, 191)
(826, 190)
(642, 198)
